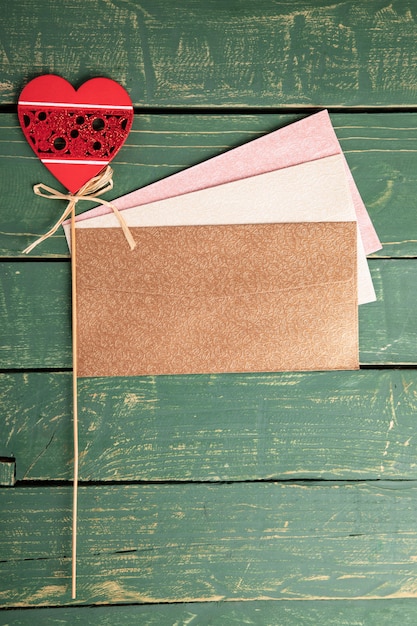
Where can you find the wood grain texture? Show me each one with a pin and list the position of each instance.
(380, 150)
(35, 315)
(7, 471)
(255, 613)
(35, 309)
(238, 53)
(198, 519)
(165, 543)
(339, 425)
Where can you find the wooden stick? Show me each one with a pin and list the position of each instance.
(90, 191)
(74, 402)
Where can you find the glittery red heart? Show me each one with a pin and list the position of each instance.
(75, 133)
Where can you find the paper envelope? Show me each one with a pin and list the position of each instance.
(207, 299)
(222, 297)
(311, 192)
(306, 140)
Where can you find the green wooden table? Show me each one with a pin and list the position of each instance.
(282, 498)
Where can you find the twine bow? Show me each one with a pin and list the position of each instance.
(91, 191)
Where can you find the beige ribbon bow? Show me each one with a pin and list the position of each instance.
(91, 191)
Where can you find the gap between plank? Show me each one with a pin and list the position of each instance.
(219, 109)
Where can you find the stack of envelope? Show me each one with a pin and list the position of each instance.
(252, 261)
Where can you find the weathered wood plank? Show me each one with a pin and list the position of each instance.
(199, 542)
(35, 315)
(239, 53)
(7, 471)
(255, 613)
(387, 327)
(379, 148)
(340, 425)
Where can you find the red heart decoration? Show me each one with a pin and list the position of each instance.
(75, 133)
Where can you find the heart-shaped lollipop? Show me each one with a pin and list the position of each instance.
(75, 133)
